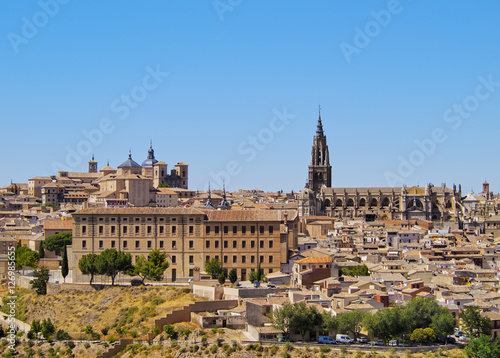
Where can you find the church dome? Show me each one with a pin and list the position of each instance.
(129, 163)
(150, 161)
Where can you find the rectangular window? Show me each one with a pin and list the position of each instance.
(174, 244)
(149, 230)
(207, 230)
(207, 244)
(252, 244)
(271, 244)
(262, 259)
(191, 229)
(261, 244)
(125, 245)
(207, 258)
(252, 229)
(137, 229)
(162, 229)
(191, 259)
(261, 229)
(150, 244)
(113, 244)
(84, 230)
(113, 230)
(216, 229)
(235, 259)
(271, 230)
(225, 259)
(234, 244)
(216, 244)
(174, 259)
(124, 230)
(174, 230)
(243, 244)
(235, 229)
(252, 259)
(191, 271)
(84, 244)
(101, 244)
(270, 259)
(191, 244)
(243, 259)
(226, 229)
(225, 244)
(137, 244)
(101, 229)
(161, 244)
(270, 270)
(243, 230)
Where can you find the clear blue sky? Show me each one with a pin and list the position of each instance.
(382, 84)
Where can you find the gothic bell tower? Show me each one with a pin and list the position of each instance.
(320, 171)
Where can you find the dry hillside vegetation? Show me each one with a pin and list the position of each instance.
(122, 311)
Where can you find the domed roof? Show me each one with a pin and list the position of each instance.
(150, 161)
(129, 163)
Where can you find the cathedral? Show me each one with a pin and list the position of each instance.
(371, 203)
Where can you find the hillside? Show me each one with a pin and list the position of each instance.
(123, 311)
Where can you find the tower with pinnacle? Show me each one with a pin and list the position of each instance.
(320, 171)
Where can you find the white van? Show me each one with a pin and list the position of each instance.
(326, 340)
(343, 338)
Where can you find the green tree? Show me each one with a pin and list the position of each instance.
(443, 323)
(214, 267)
(420, 312)
(88, 265)
(360, 270)
(57, 242)
(351, 322)
(474, 324)
(304, 319)
(257, 275)
(422, 335)
(328, 322)
(112, 262)
(281, 318)
(26, 257)
(483, 347)
(41, 251)
(39, 283)
(233, 276)
(47, 328)
(387, 323)
(222, 278)
(152, 268)
(164, 185)
(64, 264)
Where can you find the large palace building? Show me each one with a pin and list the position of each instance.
(241, 239)
(374, 203)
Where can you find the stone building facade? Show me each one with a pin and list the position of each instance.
(190, 237)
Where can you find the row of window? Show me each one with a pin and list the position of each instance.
(173, 229)
(208, 244)
(137, 230)
(225, 229)
(139, 219)
(225, 259)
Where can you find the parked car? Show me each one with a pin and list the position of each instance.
(393, 342)
(326, 340)
(378, 342)
(362, 340)
(343, 338)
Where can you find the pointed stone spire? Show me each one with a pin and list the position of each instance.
(319, 128)
(151, 152)
(208, 203)
(224, 205)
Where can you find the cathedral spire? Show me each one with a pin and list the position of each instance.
(208, 203)
(224, 205)
(319, 128)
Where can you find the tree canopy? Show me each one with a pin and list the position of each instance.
(361, 270)
(39, 283)
(214, 268)
(111, 262)
(57, 242)
(474, 323)
(64, 264)
(26, 257)
(88, 265)
(152, 268)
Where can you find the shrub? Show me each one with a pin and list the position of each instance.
(170, 331)
(289, 346)
(285, 355)
(111, 339)
(70, 344)
(324, 349)
(213, 349)
(274, 349)
(104, 331)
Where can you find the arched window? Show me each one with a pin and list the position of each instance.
(373, 202)
(338, 202)
(350, 202)
(362, 202)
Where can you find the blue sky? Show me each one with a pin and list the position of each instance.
(387, 74)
